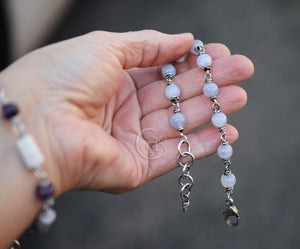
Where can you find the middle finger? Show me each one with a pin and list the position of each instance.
(226, 70)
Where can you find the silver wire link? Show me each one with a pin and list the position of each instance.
(186, 182)
(40, 175)
(201, 50)
(186, 179)
(207, 76)
(169, 77)
(181, 143)
(227, 164)
(223, 135)
(185, 160)
(176, 105)
(216, 105)
(18, 126)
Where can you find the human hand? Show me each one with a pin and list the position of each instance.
(96, 103)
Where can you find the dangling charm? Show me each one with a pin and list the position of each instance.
(185, 158)
(219, 120)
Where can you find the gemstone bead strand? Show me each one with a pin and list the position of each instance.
(33, 160)
(185, 158)
(219, 120)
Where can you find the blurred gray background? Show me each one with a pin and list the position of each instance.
(266, 156)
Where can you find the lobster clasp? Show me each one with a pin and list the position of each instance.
(231, 215)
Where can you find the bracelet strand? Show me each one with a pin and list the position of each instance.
(219, 120)
(33, 160)
(185, 158)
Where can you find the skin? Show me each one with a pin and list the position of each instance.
(96, 106)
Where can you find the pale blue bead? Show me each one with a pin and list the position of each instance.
(225, 151)
(228, 181)
(45, 220)
(197, 43)
(210, 89)
(168, 69)
(172, 91)
(204, 60)
(177, 120)
(182, 58)
(219, 119)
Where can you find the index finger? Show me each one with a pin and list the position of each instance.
(144, 76)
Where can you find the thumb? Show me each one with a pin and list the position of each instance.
(146, 48)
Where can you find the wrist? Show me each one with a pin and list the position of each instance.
(23, 189)
(17, 197)
(26, 95)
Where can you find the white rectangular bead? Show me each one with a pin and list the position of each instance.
(30, 152)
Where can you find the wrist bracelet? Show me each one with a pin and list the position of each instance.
(33, 159)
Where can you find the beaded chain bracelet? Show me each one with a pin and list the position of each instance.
(219, 120)
(33, 159)
(185, 158)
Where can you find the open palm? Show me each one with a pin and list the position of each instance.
(102, 106)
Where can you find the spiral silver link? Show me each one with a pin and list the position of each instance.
(216, 106)
(223, 135)
(227, 164)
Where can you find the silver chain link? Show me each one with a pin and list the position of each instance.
(216, 106)
(185, 160)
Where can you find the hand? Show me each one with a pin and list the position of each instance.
(96, 103)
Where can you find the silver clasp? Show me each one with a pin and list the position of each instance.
(231, 215)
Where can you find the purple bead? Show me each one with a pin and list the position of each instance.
(9, 110)
(45, 192)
